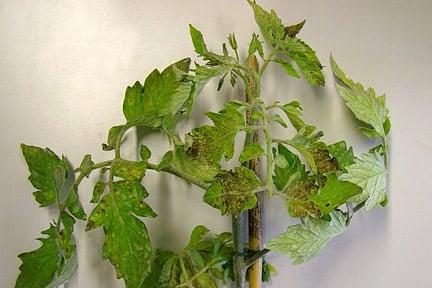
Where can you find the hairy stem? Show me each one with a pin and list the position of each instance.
(255, 269)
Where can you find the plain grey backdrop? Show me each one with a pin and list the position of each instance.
(64, 67)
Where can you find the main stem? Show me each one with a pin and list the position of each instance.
(255, 270)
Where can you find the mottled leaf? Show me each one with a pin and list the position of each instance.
(127, 244)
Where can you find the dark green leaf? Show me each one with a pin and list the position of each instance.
(145, 153)
(46, 173)
(49, 265)
(334, 193)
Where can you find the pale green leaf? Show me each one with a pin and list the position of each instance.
(365, 104)
(304, 241)
(269, 23)
(255, 46)
(369, 173)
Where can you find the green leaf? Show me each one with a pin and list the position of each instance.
(204, 281)
(343, 155)
(292, 167)
(293, 110)
(161, 98)
(161, 257)
(269, 23)
(113, 134)
(251, 151)
(46, 173)
(232, 191)
(232, 41)
(48, 265)
(203, 75)
(334, 193)
(302, 242)
(305, 139)
(127, 244)
(74, 205)
(366, 106)
(305, 58)
(145, 153)
(86, 165)
(255, 46)
(283, 42)
(212, 59)
(98, 190)
(211, 143)
(288, 68)
(190, 166)
(198, 233)
(170, 273)
(369, 173)
(198, 40)
(128, 170)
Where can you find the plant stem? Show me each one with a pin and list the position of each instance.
(178, 173)
(255, 269)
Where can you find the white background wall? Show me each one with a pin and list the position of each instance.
(64, 67)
